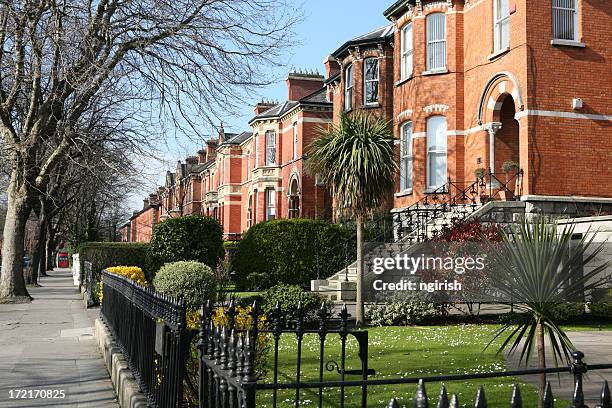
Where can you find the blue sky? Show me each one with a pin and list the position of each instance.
(327, 25)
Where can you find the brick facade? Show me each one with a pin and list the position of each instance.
(520, 96)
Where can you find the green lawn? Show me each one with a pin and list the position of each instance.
(403, 352)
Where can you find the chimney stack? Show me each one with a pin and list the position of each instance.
(202, 156)
(303, 83)
(331, 66)
(264, 105)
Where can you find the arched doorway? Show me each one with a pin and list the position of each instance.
(294, 199)
(504, 152)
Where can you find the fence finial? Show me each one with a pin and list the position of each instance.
(516, 401)
(420, 399)
(443, 401)
(548, 400)
(454, 401)
(481, 399)
(605, 400)
(393, 404)
(578, 369)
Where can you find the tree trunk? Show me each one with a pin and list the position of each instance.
(12, 284)
(50, 246)
(541, 358)
(359, 311)
(42, 238)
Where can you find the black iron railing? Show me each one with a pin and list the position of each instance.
(227, 377)
(150, 330)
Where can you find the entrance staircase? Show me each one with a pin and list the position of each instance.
(415, 224)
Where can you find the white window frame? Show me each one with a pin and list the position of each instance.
(270, 148)
(407, 63)
(295, 141)
(256, 150)
(433, 152)
(501, 25)
(270, 204)
(406, 157)
(373, 80)
(349, 84)
(436, 41)
(557, 9)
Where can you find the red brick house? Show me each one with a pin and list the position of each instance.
(484, 82)
(245, 178)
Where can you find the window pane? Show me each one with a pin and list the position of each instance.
(436, 151)
(371, 69)
(436, 41)
(270, 147)
(564, 13)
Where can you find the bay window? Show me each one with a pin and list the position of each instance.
(406, 157)
(407, 52)
(270, 204)
(270, 147)
(436, 152)
(370, 81)
(436, 41)
(348, 88)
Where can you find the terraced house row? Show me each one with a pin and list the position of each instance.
(515, 90)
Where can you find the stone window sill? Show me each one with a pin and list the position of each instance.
(404, 193)
(371, 105)
(403, 81)
(567, 43)
(498, 53)
(437, 71)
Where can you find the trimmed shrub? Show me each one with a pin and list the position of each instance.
(602, 309)
(106, 254)
(291, 252)
(194, 281)
(288, 297)
(568, 311)
(190, 238)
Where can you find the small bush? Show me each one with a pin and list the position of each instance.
(513, 318)
(565, 312)
(191, 238)
(106, 254)
(194, 281)
(291, 252)
(402, 310)
(288, 297)
(602, 309)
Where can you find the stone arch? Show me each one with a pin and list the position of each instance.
(498, 88)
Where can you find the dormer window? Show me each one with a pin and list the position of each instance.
(370, 81)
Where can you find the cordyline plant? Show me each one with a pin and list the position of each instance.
(356, 161)
(535, 267)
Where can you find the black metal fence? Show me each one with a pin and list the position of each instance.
(150, 330)
(227, 377)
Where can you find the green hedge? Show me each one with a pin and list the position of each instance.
(190, 238)
(105, 254)
(291, 252)
(194, 281)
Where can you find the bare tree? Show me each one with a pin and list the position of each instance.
(191, 59)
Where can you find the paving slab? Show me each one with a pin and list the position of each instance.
(47, 346)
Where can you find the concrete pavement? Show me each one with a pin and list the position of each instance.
(48, 345)
(597, 348)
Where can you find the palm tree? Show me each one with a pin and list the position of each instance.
(534, 267)
(356, 161)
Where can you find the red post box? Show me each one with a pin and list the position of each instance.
(62, 260)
